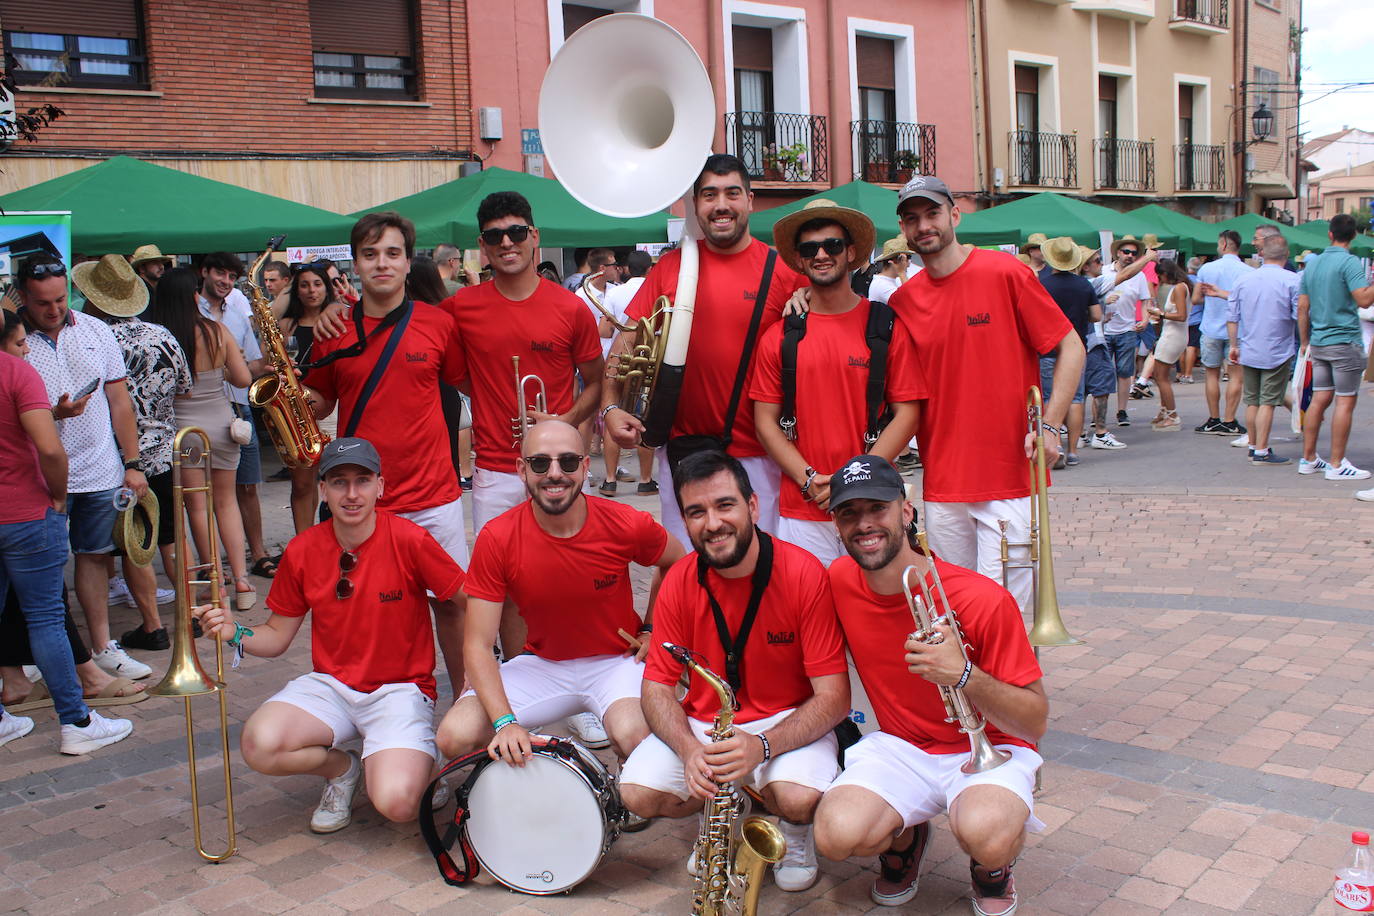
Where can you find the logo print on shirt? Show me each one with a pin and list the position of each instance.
(393, 594)
(605, 581)
(858, 362)
(421, 357)
(784, 638)
(541, 346)
(978, 318)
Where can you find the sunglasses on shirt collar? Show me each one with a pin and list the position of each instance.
(343, 589)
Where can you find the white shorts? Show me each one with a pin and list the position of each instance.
(919, 786)
(445, 523)
(820, 539)
(541, 691)
(654, 765)
(967, 535)
(764, 476)
(494, 492)
(390, 717)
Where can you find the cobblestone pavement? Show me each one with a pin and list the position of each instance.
(1208, 752)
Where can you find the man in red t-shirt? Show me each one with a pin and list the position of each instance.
(898, 778)
(731, 272)
(362, 575)
(519, 313)
(832, 369)
(789, 678)
(564, 558)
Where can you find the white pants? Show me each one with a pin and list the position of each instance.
(968, 535)
(820, 539)
(764, 476)
(445, 523)
(494, 492)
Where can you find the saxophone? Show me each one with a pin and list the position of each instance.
(720, 888)
(279, 394)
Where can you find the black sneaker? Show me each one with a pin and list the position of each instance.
(645, 489)
(1122, 419)
(1211, 426)
(465, 483)
(1230, 429)
(139, 638)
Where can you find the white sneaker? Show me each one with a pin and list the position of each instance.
(587, 727)
(442, 793)
(693, 868)
(798, 870)
(1106, 440)
(114, 661)
(166, 595)
(1085, 440)
(1365, 495)
(1241, 441)
(119, 592)
(336, 804)
(97, 734)
(1311, 467)
(12, 726)
(1346, 471)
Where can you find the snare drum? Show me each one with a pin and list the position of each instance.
(544, 827)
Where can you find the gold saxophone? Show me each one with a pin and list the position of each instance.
(721, 888)
(279, 394)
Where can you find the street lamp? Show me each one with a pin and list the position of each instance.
(1263, 122)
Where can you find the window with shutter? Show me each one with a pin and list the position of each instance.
(94, 44)
(364, 49)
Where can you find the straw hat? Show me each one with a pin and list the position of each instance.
(856, 223)
(1063, 253)
(1034, 240)
(1149, 242)
(145, 253)
(894, 247)
(1087, 254)
(112, 285)
(1306, 253)
(135, 530)
(1024, 259)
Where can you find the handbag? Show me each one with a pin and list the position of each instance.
(1300, 389)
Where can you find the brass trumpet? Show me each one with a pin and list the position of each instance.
(1047, 626)
(186, 677)
(521, 421)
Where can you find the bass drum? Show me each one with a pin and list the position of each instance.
(544, 827)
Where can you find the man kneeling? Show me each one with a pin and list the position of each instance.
(898, 778)
(363, 574)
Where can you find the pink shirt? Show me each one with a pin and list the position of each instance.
(23, 491)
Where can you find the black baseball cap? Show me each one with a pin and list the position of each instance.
(350, 450)
(866, 477)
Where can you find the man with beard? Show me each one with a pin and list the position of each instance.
(564, 558)
(897, 778)
(757, 611)
(831, 368)
(150, 264)
(731, 272)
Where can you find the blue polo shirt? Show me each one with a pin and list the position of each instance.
(1327, 283)
(1223, 273)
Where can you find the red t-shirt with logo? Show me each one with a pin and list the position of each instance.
(979, 333)
(21, 476)
(796, 635)
(403, 419)
(832, 392)
(573, 592)
(552, 332)
(726, 287)
(382, 634)
(876, 628)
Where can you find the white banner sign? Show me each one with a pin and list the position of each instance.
(305, 253)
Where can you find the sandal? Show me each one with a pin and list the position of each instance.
(245, 600)
(119, 692)
(265, 567)
(38, 698)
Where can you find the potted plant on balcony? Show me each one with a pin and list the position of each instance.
(877, 169)
(784, 163)
(907, 163)
(772, 167)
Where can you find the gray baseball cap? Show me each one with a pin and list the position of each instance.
(350, 450)
(927, 186)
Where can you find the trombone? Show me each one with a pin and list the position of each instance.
(186, 677)
(521, 421)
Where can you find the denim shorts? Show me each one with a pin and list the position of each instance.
(1195, 336)
(250, 461)
(1214, 351)
(91, 522)
(1337, 367)
(1121, 348)
(1148, 337)
(1099, 376)
(1047, 364)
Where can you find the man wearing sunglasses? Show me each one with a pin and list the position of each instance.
(362, 576)
(563, 558)
(830, 368)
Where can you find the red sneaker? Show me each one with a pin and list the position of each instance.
(994, 893)
(900, 871)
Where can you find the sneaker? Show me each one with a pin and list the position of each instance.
(1122, 419)
(114, 661)
(1106, 440)
(995, 895)
(648, 488)
(1241, 441)
(908, 462)
(442, 793)
(97, 733)
(798, 870)
(633, 823)
(693, 868)
(607, 488)
(1060, 462)
(1311, 467)
(900, 872)
(1268, 459)
(1071, 461)
(1085, 440)
(1233, 428)
(166, 595)
(465, 483)
(1209, 427)
(1346, 471)
(587, 727)
(336, 804)
(1366, 496)
(12, 727)
(119, 592)
(1141, 390)
(624, 476)
(139, 638)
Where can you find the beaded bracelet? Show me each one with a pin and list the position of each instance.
(507, 719)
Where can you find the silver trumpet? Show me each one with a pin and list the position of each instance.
(521, 421)
(983, 756)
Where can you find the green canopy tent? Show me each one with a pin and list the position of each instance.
(448, 213)
(1195, 236)
(878, 203)
(122, 203)
(1247, 223)
(1055, 215)
(1317, 238)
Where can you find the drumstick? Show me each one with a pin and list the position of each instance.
(634, 643)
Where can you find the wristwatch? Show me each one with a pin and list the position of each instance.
(133, 464)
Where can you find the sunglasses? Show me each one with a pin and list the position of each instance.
(832, 246)
(343, 589)
(567, 463)
(48, 269)
(1130, 251)
(518, 233)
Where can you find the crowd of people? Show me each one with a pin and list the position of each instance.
(810, 379)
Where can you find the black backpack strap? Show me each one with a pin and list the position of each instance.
(746, 357)
(793, 330)
(878, 335)
(375, 378)
(452, 873)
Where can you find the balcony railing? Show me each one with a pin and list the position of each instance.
(1199, 168)
(1043, 160)
(1207, 12)
(1124, 165)
(892, 151)
(779, 147)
